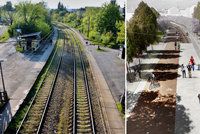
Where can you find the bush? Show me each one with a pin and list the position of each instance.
(95, 36)
(43, 27)
(106, 38)
(30, 28)
(4, 37)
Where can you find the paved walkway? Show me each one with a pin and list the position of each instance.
(112, 69)
(20, 73)
(136, 88)
(154, 111)
(188, 104)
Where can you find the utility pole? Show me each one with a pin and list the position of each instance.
(4, 96)
(88, 27)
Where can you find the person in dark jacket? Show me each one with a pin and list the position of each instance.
(183, 71)
(189, 70)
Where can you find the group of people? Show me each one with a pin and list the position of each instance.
(190, 67)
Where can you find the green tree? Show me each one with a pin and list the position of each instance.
(141, 31)
(135, 41)
(7, 12)
(121, 32)
(155, 12)
(196, 13)
(106, 38)
(31, 18)
(89, 20)
(31, 12)
(8, 6)
(107, 18)
(8, 16)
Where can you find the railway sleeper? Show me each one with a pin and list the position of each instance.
(82, 109)
(81, 94)
(84, 126)
(84, 118)
(83, 130)
(39, 105)
(83, 122)
(82, 102)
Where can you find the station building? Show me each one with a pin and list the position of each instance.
(30, 42)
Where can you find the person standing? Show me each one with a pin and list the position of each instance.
(179, 46)
(175, 45)
(189, 70)
(183, 71)
(192, 62)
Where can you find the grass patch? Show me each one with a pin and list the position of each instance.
(120, 108)
(4, 37)
(19, 48)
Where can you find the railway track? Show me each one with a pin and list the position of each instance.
(32, 121)
(81, 120)
(82, 113)
(53, 118)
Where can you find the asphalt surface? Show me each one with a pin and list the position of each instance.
(18, 69)
(112, 68)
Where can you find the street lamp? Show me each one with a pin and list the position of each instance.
(4, 96)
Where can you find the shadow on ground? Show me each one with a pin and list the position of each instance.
(161, 76)
(183, 122)
(156, 66)
(155, 114)
(163, 51)
(152, 114)
(160, 56)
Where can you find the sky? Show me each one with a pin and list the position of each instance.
(71, 4)
(161, 4)
(184, 5)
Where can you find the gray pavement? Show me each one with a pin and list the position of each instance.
(112, 68)
(20, 72)
(135, 89)
(188, 104)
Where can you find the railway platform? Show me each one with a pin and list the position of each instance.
(187, 101)
(24, 79)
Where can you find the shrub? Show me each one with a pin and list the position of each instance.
(43, 27)
(4, 37)
(106, 38)
(95, 36)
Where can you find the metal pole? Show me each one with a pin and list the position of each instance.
(88, 32)
(4, 90)
(5, 96)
